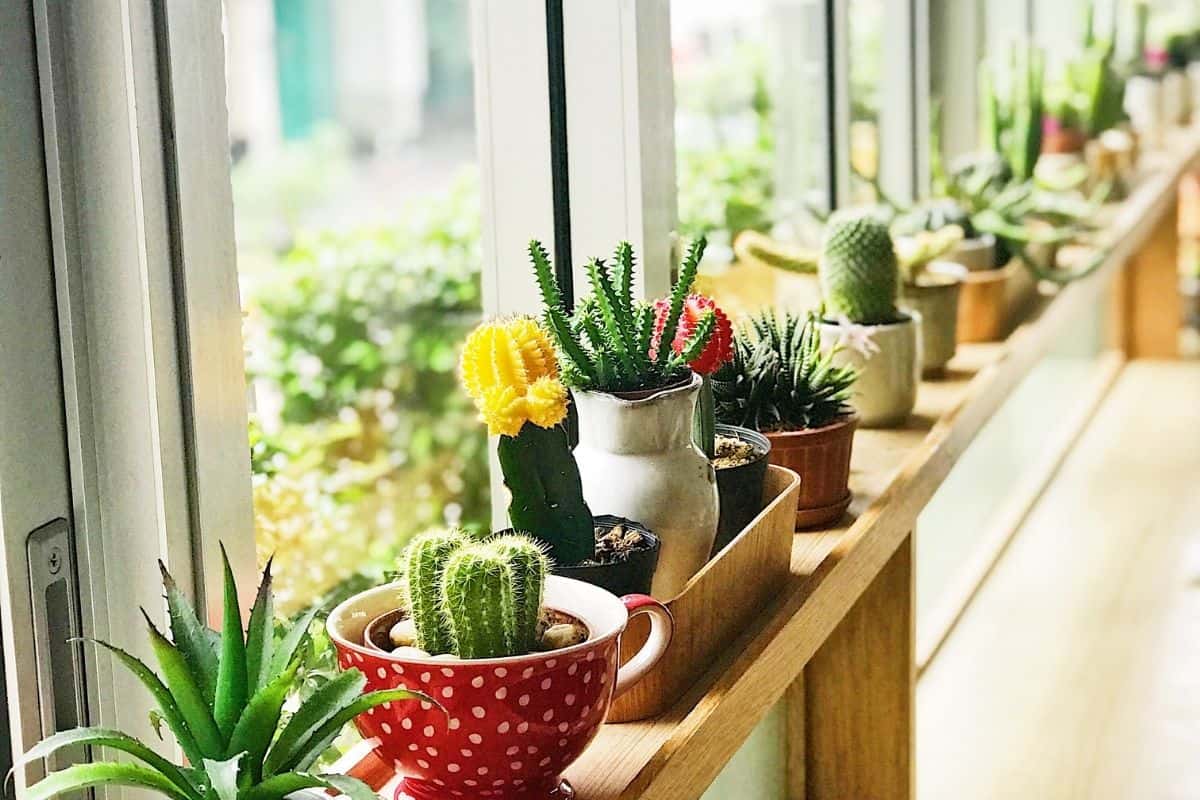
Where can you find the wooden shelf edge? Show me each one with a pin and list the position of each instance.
(677, 755)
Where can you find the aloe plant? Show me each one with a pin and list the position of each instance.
(222, 696)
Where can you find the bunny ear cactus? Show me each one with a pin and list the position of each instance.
(606, 345)
(488, 594)
(223, 696)
(859, 273)
(510, 369)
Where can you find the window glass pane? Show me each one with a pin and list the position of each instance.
(357, 221)
(749, 127)
(865, 19)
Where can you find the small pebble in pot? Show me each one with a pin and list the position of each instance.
(403, 633)
(562, 635)
(410, 652)
(446, 657)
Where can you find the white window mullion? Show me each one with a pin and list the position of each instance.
(621, 116)
(206, 297)
(512, 113)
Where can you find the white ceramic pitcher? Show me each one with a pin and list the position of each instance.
(637, 460)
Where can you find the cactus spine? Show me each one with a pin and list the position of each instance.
(475, 600)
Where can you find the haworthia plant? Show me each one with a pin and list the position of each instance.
(606, 343)
(223, 700)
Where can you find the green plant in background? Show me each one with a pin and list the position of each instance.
(606, 345)
(223, 697)
(354, 338)
(475, 599)
(1011, 123)
(933, 215)
(726, 177)
(779, 379)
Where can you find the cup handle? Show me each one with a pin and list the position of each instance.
(662, 628)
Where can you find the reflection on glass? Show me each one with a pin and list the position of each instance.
(747, 124)
(357, 222)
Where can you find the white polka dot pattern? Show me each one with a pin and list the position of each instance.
(500, 732)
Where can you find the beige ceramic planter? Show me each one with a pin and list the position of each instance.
(935, 299)
(976, 254)
(886, 389)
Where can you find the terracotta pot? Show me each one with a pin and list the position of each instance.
(741, 487)
(976, 254)
(886, 389)
(508, 727)
(1057, 140)
(821, 456)
(935, 299)
(983, 305)
(637, 460)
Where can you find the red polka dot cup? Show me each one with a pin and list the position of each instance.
(510, 726)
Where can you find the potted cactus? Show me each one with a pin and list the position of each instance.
(782, 383)
(859, 276)
(223, 697)
(636, 404)
(524, 665)
(511, 371)
(930, 287)
(738, 454)
(975, 250)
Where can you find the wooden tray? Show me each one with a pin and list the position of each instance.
(718, 602)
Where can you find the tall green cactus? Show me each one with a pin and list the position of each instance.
(479, 598)
(859, 273)
(424, 563)
(485, 597)
(547, 493)
(529, 567)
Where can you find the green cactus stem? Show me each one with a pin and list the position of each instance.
(529, 567)
(859, 274)
(478, 599)
(547, 494)
(424, 563)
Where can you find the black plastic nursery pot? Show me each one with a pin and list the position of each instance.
(631, 575)
(740, 488)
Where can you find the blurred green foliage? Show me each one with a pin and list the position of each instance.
(355, 344)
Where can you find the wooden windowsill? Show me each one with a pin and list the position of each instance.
(895, 473)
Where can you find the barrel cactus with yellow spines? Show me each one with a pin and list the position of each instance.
(510, 369)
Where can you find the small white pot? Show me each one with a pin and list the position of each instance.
(637, 460)
(1145, 105)
(935, 299)
(886, 390)
(1177, 97)
(1193, 76)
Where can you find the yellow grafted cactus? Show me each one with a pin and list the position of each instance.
(510, 370)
